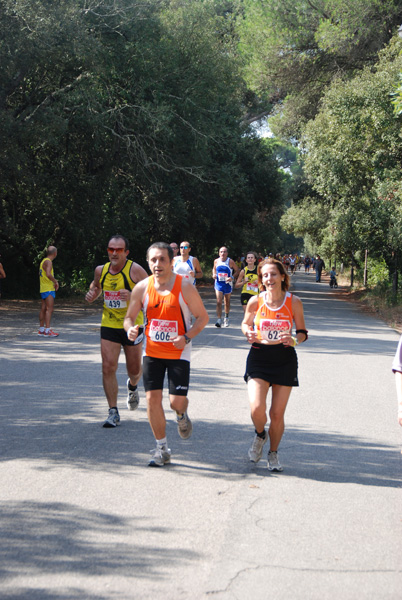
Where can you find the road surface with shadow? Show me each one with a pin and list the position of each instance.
(84, 517)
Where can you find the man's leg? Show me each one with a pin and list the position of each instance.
(219, 297)
(227, 303)
(156, 414)
(133, 362)
(110, 352)
(49, 303)
(42, 313)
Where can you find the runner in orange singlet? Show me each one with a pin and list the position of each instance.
(168, 301)
(272, 360)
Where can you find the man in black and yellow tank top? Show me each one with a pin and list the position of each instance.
(116, 279)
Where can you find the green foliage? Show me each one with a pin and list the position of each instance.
(294, 50)
(352, 154)
(125, 117)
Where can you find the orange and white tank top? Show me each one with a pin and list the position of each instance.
(270, 322)
(166, 317)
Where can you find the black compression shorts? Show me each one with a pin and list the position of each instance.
(153, 374)
(119, 336)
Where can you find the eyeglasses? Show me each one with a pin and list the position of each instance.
(184, 247)
(117, 250)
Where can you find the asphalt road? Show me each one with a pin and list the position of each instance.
(83, 517)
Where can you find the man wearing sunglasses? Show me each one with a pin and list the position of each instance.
(187, 266)
(116, 279)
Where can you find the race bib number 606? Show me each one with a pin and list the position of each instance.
(163, 331)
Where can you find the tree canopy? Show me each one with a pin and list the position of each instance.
(126, 116)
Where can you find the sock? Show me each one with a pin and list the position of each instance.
(132, 388)
(179, 415)
(47, 329)
(162, 443)
(226, 315)
(41, 328)
(262, 434)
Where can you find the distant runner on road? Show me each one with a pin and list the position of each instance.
(248, 278)
(272, 360)
(185, 265)
(48, 288)
(224, 272)
(168, 301)
(116, 279)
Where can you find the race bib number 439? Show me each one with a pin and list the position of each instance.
(271, 328)
(163, 331)
(113, 300)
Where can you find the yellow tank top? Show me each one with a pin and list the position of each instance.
(114, 308)
(250, 281)
(46, 285)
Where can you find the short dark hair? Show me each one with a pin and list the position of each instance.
(161, 246)
(121, 237)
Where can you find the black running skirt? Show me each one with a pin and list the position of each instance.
(276, 364)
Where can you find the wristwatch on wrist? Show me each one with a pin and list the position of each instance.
(188, 340)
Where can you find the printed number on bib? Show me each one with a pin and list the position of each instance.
(163, 331)
(271, 328)
(222, 276)
(113, 300)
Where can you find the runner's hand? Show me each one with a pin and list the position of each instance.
(179, 342)
(132, 333)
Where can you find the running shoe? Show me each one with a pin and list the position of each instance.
(113, 419)
(50, 333)
(218, 323)
(255, 451)
(184, 426)
(133, 397)
(226, 322)
(41, 332)
(273, 462)
(160, 457)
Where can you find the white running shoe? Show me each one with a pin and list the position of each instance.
(160, 457)
(218, 323)
(255, 450)
(133, 397)
(226, 322)
(113, 419)
(273, 462)
(184, 426)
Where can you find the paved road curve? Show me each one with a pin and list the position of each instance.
(83, 517)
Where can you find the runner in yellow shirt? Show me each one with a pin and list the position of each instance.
(116, 279)
(48, 288)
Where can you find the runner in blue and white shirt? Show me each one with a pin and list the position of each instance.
(185, 265)
(224, 272)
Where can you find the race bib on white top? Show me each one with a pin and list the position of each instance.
(113, 300)
(163, 331)
(271, 328)
(222, 276)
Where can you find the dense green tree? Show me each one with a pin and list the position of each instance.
(294, 49)
(124, 117)
(352, 156)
